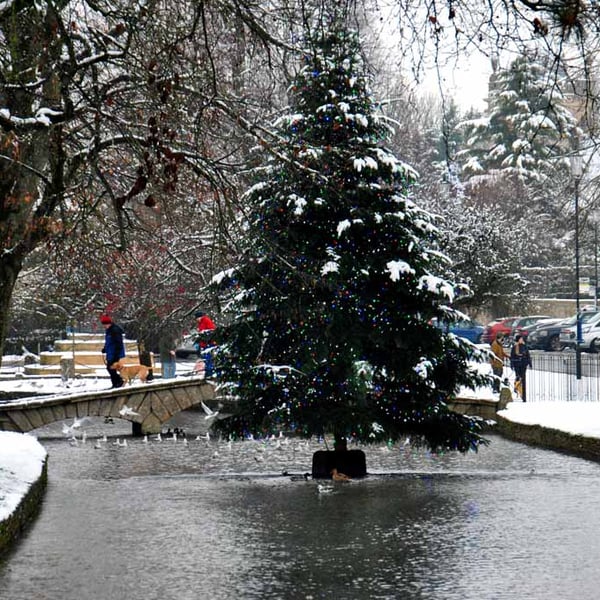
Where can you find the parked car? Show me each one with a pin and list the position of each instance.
(509, 327)
(466, 328)
(590, 332)
(522, 325)
(545, 334)
(187, 347)
(503, 325)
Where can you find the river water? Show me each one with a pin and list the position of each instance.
(209, 520)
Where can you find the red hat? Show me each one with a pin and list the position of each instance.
(105, 320)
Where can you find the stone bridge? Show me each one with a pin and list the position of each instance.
(155, 403)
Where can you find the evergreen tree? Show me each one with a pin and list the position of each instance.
(528, 127)
(515, 161)
(332, 300)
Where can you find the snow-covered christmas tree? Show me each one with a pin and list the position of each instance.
(331, 304)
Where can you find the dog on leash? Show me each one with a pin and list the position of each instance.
(130, 372)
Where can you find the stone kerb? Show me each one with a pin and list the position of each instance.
(154, 403)
(476, 407)
(546, 437)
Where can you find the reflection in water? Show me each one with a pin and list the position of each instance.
(212, 520)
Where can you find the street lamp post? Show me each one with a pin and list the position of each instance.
(596, 265)
(576, 170)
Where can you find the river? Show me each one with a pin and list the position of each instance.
(208, 519)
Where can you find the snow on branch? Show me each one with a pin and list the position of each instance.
(397, 268)
(330, 267)
(42, 118)
(346, 224)
(365, 163)
(437, 285)
(219, 277)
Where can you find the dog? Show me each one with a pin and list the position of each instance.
(519, 388)
(130, 372)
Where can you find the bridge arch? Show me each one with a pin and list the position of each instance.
(154, 404)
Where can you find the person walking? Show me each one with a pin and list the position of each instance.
(205, 326)
(114, 349)
(166, 349)
(497, 360)
(520, 359)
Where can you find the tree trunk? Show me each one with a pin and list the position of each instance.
(340, 444)
(145, 359)
(10, 266)
(31, 172)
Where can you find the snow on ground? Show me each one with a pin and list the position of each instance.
(578, 418)
(53, 385)
(21, 461)
(12, 379)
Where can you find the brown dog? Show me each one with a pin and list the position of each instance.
(130, 372)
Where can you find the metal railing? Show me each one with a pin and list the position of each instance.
(552, 377)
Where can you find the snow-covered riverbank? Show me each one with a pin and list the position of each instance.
(21, 462)
(22, 481)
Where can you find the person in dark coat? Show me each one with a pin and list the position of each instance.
(114, 348)
(166, 348)
(520, 359)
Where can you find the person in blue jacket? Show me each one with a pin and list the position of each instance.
(114, 348)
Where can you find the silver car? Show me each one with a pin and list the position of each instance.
(590, 332)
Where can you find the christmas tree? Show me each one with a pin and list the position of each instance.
(332, 302)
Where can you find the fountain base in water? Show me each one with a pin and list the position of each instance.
(350, 462)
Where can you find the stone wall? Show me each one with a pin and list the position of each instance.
(551, 439)
(553, 307)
